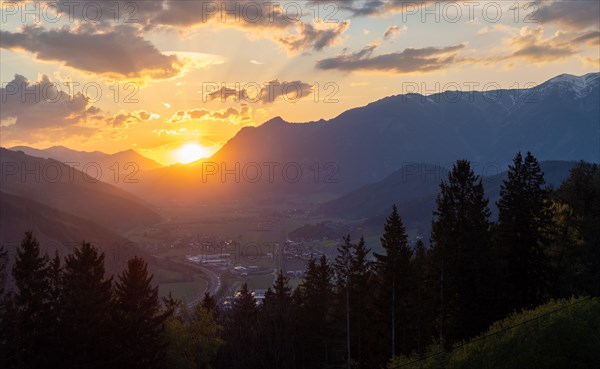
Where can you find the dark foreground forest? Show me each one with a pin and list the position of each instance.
(513, 293)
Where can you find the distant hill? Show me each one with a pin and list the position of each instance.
(64, 154)
(557, 120)
(56, 185)
(414, 190)
(58, 231)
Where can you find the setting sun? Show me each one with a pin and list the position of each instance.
(191, 152)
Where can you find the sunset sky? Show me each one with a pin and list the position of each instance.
(148, 68)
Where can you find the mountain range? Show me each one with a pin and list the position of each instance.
(66, 155)
(63, 206)
(556, 120)
(59, 231)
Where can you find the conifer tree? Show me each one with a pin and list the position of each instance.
(138, 317)
(423, 296)
(276, 323)
(55, 348)
(354, 275)
(523, 234)
(32, 302)
(315, 300)
(395, 280)
(241, 330)
(461, 249)
(210, 304)
(342, 265)
(86, 306)
(362, 308)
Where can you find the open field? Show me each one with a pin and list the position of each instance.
(184, 291)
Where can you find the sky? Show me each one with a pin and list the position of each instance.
(175, 80)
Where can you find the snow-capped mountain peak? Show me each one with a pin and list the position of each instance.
(580, 85)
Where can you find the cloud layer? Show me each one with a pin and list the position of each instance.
(266, 93)
(407, 61)
(232, 115)
(42, 111)
(117, 53)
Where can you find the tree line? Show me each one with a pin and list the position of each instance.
(357, 310)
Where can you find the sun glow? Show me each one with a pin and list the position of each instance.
(191, 152)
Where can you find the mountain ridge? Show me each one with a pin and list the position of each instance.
(554, 122)
(105, 160)
(57, 185)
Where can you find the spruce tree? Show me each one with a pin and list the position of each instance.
(32, 302)
(423, 296)
(354, 276)
(86, 306)
(342, 265)
(276, 323)
(395, 280)
(342, 262)
(54, 346)
(138, 317)
(315, 297)
(362, 308)
(241, 330)
(523, 235)
(210, 304)
(31, 274)
(461, 249)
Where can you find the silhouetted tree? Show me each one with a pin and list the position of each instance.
(461, 250)
(315, 301)
(342, 265)
(523, 235)
(276, 323)
(241, 330)
(32, 302)
(210, 304)
(86, 306)
(423, 308)
(362, 308)
(138, 317)
(354, 275)
(396, 281)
